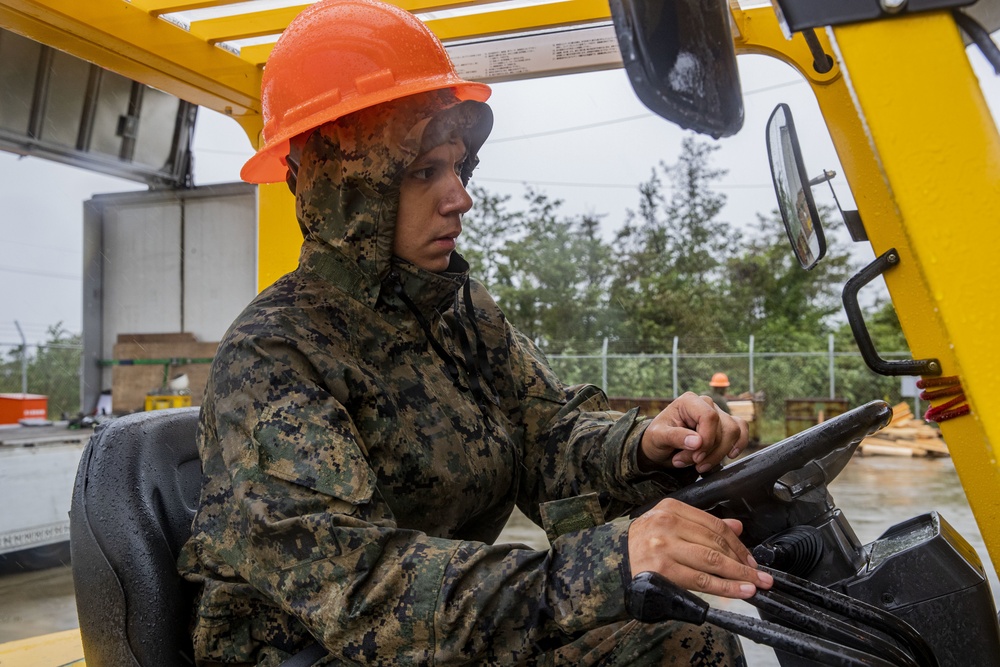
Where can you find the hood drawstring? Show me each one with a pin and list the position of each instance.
(481, 355)
(450, 367)
(476, 365)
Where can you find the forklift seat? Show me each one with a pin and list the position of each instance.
(136, 492)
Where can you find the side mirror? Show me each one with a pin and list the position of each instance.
(680, 59)
(791, 185)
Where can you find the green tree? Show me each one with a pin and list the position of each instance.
(485, 230)
(53, 371)
(670, 255)
(773, 298)
(10, 371)
(552, 282)
(595, 271)
(855, 381)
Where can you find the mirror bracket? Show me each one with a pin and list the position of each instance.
(855, 318)
(852, 220)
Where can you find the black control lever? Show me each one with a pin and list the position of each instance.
(853, 609)
(791, 613)
(652, 598)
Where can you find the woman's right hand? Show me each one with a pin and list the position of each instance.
(694, 550)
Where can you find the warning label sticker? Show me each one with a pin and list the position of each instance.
(526, 56)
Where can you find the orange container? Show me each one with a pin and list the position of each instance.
(15, 407)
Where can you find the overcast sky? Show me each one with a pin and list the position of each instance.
(584, 139)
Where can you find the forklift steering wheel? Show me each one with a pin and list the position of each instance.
(758, 478)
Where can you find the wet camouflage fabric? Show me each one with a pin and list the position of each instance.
(568, 515)
(635, 644)
(353, 490)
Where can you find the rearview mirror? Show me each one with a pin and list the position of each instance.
(680, 59)
(795, 200)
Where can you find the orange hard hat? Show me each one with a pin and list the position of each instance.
(340, 56)
(719, 380)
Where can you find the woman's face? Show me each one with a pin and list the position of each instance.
(432, 200)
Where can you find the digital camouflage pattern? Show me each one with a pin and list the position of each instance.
(353, 488)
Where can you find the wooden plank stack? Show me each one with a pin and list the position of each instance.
(904, 436)
(746, 407)
(130, 384)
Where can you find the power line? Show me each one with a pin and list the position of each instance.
(765, 89)
(41, 247)
(47, 274)
(634, 186)
(33, 327)
(525, 181)
(615, 121)
(575, 128)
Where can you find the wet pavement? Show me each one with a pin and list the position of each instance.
(873, 492)
(36, 603)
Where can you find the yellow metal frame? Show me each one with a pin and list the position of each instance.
(122, 38)
(58, 648)
(921, 153)
(148, 40)
(937, 201)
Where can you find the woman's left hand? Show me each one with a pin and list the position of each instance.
(692, 430)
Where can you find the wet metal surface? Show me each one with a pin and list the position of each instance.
(873, 492)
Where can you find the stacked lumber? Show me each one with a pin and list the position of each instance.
(904, 436)
(131, 383)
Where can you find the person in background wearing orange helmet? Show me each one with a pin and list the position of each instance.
(372, 419)
(719, 383)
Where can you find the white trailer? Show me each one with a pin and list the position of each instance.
(37, 468)
(170, 261)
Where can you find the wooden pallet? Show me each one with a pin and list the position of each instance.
(904, 436)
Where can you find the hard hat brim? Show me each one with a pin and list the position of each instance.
(267, 165)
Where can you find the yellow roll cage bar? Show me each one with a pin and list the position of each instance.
(914, 135)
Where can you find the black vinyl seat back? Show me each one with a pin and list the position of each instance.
(136, 492)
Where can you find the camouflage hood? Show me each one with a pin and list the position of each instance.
(346, 177)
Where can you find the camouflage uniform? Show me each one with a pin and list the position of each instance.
(367, 430)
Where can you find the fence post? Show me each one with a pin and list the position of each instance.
(604, 364)
(833, 384)
(673, 364)
(751, 363)
(24, 359)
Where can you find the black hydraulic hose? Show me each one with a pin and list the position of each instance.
(980, 37)
(790, 612)
(857, 610)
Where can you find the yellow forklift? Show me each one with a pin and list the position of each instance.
(921, 154)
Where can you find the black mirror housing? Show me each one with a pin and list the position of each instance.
(680, 59)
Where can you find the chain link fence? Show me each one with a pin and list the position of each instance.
(771, 378)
